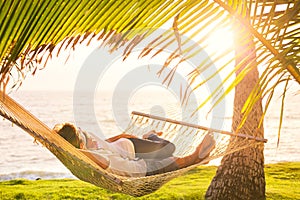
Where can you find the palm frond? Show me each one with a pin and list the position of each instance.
(275, 27)
(31, 30)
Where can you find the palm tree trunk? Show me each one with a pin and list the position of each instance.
(241, 174)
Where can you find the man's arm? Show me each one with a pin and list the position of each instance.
(123, 135)
(97, 158)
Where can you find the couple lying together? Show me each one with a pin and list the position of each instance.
(127, 155)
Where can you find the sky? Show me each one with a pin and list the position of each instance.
(107, 72)
(60, 74)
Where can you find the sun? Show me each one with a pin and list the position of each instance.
(220, 40)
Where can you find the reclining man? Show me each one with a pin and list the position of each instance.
(127, 155)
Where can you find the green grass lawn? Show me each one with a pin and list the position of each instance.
(282, 183)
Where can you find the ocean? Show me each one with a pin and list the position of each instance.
(22, 157)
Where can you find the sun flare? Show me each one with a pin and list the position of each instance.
(221, 39)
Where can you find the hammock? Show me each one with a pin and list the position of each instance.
(187, 137)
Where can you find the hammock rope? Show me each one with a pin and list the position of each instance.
(185, 136)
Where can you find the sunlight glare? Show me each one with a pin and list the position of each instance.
(221, 39)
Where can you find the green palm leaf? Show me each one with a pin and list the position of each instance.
(31, 30)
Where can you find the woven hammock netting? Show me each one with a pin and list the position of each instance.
(185, 136)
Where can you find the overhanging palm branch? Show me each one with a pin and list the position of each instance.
(31, 28)
(31, 31)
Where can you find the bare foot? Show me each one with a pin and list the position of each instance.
(207, 145)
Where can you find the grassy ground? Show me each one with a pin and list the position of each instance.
(283, 182)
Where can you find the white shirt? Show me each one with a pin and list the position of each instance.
(121, 155)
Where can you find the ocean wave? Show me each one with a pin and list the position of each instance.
(35, 175)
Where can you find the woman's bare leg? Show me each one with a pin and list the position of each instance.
(202, 151)
(156, 166)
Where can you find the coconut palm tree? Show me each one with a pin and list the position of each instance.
(228, 182)
(267, 38)
(241, 174)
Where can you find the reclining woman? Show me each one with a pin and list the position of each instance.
(127, 155)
